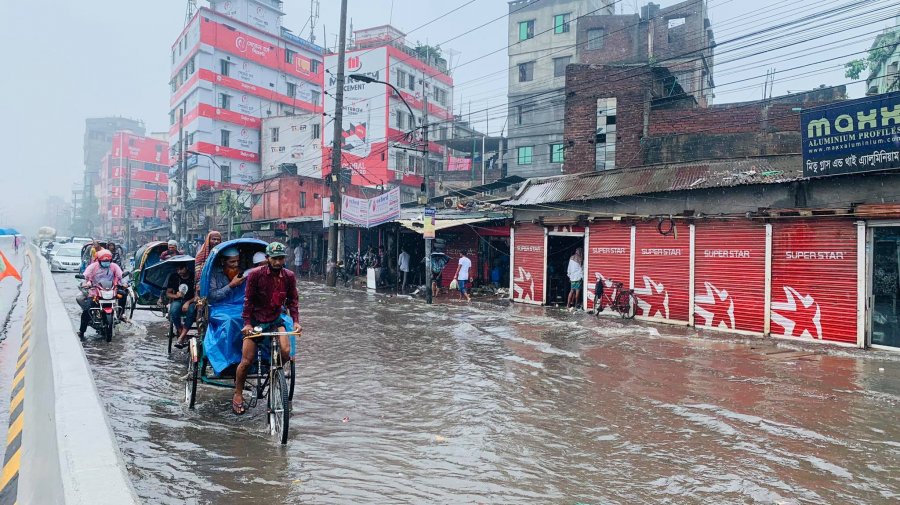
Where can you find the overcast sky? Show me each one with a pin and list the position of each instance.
(68, 60)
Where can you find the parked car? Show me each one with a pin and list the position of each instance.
(66, 258)
(81, 240)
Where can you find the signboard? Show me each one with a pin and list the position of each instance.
(852, 136)
(326, 212)
(429, 222)
(373, 211)
(459, 164)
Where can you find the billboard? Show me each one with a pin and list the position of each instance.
(137, 148)
(371, 212)
(364, 125)
(852, 136)
(298, 141)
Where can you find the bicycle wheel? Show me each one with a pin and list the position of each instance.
(171, 335)
(279, 406)
(627, 304)
(190, 380)
(292, 382)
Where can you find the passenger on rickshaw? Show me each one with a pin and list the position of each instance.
(182, 303)
(227, 277)
(259, 259)
(270, 290)
(213, 239)
(171, 251)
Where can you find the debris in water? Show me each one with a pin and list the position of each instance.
(439, 439)
(881, 369)
(345, 420)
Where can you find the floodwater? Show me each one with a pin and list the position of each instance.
(399, 403)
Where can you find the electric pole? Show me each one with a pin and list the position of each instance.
(182, 181)
(331, 277)
(428, 190)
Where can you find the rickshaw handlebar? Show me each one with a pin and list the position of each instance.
(297, 333)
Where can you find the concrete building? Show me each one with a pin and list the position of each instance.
(233, 65)
(884, 77)
(292, 145)
(542, 42)
(133, 184)
(378, 145)
(98, 135)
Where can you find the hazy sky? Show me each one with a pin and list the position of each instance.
(68, 60)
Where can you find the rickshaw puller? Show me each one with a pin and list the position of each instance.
(270, 289)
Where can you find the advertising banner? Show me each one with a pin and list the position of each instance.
(429, 223)
(459, 164)
(852, 136)
(371, 212)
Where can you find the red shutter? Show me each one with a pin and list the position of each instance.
(730, 275)
(528, 263)
(458, 239)
(662, 272)
(608, 256)
(814, 281)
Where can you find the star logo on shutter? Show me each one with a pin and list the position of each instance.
(716, 307)
(798, 319)
(524, 277)
(652, 299)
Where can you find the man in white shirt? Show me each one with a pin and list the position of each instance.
(403, 265)
(298, 258)
(576, 274)
(462, 274)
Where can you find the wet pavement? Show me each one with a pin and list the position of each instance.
(399, 403)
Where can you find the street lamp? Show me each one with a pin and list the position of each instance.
(369, 80)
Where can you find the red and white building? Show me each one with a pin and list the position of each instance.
(232, 65)
(376, 123)
(138, 167)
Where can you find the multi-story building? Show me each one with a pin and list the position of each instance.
(542, 42)
(233, 65)
(98, 135)
(884, 74)
(132, 183)
(382, 143)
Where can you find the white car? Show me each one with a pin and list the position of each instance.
(66, 258)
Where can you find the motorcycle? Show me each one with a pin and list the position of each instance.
(105, 311)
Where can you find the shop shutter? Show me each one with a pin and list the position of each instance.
(730, 275)
(608, 256)
(814, 280)
(662, 272)
(457, 239)
(529, 247)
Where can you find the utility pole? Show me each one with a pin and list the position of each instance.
(331, 277)
(429, 193)
(182, 181)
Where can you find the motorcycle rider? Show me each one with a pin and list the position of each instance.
(98, 272)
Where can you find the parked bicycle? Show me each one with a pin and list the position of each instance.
(614, 296)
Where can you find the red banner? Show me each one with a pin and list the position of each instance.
(134, 147)
(227, 152)
(208, 111)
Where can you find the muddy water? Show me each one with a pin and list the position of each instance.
(402, 404)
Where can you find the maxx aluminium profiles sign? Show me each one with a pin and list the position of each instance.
(852, 136)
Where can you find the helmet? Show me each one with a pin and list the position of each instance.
(104, 255)
(275, 250)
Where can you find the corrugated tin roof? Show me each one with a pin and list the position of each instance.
(658, 179)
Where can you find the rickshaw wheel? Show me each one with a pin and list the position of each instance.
(292, 382)
(190, 380)
(279, 406)
(171, 335)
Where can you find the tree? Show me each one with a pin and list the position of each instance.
(424, 51)
(881, 50)
(230, 207)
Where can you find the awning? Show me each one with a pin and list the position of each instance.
(441, 224)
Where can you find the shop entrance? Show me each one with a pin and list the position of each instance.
(559, 249)
(884, 282)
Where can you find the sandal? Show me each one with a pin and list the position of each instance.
(238, 408)
(180, 344)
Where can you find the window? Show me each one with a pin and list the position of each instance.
(316, 131)
(401, 78)
(173, 85)
(526, 29)
(561, 23)
(292, 90)
(226, 137)
(224, 101)
(173, 56)
(226, 173)
(412, 82)
(524, 114)
(526, 71)
(442, 133)
(605, 138)
(303, 199)
(595, 38)
(289, 56)
(524, 155)
(189, 138)
(559, 66)
(440, 96)
(190, 66)
(557, 155)
(223, 67)
(315, 97)
(171, 118)
(275, 132)
(314, 66)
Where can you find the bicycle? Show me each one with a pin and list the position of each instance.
(619, 299)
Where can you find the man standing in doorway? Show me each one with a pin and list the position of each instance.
(462, 274)
(403, 265)
(298, 258)
(576, 274)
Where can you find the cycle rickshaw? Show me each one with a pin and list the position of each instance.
(147, 295)
(216, 350)
(86, 254)
(154, 280)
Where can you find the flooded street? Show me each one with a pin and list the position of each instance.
(400, 403)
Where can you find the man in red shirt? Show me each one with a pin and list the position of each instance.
(270, 289)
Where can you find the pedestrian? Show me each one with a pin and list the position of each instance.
(380, 266)
(462, 274)
(403, 264)
(213, 239)
(298, 257)
(576, 275)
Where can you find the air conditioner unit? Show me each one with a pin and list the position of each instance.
(450, 202)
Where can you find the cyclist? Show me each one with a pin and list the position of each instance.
(270, 290)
